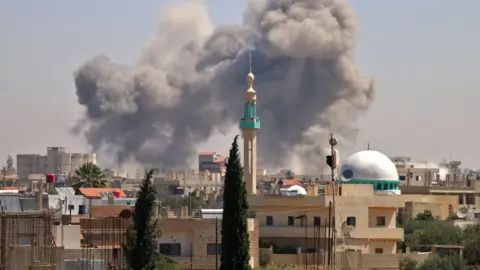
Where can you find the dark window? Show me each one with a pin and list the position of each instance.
(379, 251)
(269, 220)
(291, 220)
(172, 249)
(379, 186)
(460, 199)
(212, 248)
(380, 221)
(316, 221)
(385, 186)
(469, 198)
(391, 186)
(401, 177)
(351, 221)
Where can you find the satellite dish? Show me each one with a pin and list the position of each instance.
(346, 229)
(461, 215)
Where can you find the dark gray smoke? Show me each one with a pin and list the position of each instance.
(188, 84)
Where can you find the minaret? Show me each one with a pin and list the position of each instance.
(10, 163)
(249, 125)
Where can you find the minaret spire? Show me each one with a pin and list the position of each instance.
(250, 62)
(249, 124)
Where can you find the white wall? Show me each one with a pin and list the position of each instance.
(71, 235)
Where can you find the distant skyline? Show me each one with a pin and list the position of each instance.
(422, 54)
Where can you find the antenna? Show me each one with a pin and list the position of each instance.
(250, 61)
(368, 146)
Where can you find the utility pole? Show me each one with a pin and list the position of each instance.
(331, 161)
(216, 243)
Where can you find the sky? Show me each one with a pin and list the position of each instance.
(422, 54)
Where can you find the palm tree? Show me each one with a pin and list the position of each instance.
(89, 174)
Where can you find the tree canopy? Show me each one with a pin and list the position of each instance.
(424, 230)
(141, 247)
(90, 175)
(235, 242)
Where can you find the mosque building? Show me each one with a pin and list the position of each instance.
(370, 167)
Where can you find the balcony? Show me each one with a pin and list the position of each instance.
(378, 233)
(291, 231)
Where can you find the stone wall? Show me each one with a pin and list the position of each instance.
(347, 260)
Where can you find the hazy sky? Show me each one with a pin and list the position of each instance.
(422, 54)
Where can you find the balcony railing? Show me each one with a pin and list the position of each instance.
(292, 231)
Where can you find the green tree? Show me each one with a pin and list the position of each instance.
(442, 263)
(471, 242)
(425, 230)
(235, 243)
(408, 264)
(89, 174)
(141, 249)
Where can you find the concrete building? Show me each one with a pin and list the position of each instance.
(368, 201)
(249, 124)
(419, 174)
(193, 243)
(468, 197)
(57, 160)
(211, 162)
(179, 183)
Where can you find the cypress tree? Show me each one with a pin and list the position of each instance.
(235, 243)
(141, 249)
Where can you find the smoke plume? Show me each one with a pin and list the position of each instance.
(187, 84)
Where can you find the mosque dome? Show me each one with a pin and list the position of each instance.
(294, 190)
(368, 165)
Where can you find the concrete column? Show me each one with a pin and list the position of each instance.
(250, 160)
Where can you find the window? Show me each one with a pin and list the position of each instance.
(25, 240)
(401, 177)
(316, 221)
(172, 249)
(291, 220)
(380, 221)
(378, 250)
(269, 220)
(391, 186)
(212, 248)
(469, 198)
(385, 186)
(379, 186)
(418, 178)
(460, 199)
(351, 221)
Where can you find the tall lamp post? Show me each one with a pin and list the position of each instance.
(333, 141)
(303, 219)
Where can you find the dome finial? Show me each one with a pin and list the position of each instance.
(250, 77)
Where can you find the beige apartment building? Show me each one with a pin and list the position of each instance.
(193, 243)
(367, 202)
(57, 160)
(468, 197)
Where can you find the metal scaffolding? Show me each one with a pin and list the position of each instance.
(27, 239)
(103, 240)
